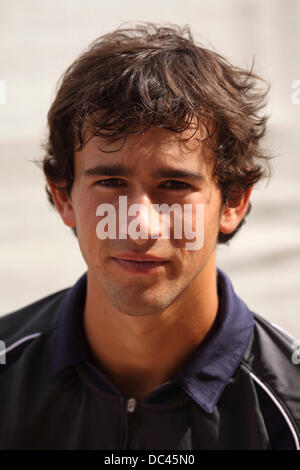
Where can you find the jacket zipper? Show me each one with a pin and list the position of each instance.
(131, 406)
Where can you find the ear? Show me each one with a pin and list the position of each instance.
(231, 215)
(63, 204)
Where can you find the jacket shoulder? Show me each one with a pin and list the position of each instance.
(270, 346)
(269, 360)
(38, 316)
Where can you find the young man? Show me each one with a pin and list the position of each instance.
(151, 348)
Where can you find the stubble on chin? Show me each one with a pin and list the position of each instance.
(140, 301)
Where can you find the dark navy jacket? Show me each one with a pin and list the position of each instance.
(239, 390)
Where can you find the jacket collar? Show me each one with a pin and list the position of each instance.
(206, 372)
(209, 369)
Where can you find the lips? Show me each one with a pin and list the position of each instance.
(137, 263)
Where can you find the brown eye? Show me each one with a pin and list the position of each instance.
(110, 182)
(177, 185)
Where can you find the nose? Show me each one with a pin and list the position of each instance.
(143, 221)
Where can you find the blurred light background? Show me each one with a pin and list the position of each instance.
(40, 38)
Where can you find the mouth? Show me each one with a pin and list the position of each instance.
(143, 266)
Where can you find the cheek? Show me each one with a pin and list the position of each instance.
(86, 222)
(206, 220)
(212, 214)
(212, 220)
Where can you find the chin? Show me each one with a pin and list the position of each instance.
(140, 308)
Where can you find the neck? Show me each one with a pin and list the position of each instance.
(141, 353)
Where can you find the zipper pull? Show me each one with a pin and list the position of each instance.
(131, 405)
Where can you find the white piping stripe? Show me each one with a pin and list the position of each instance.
(274, 399)
(285, 332)
(20, 341)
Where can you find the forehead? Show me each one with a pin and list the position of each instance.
(150, 148)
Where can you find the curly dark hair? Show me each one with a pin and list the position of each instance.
(151, 76)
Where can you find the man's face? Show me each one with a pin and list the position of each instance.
(143, 157)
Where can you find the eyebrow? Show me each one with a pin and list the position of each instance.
(176, 173)
(121, 170)
(108, 170)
